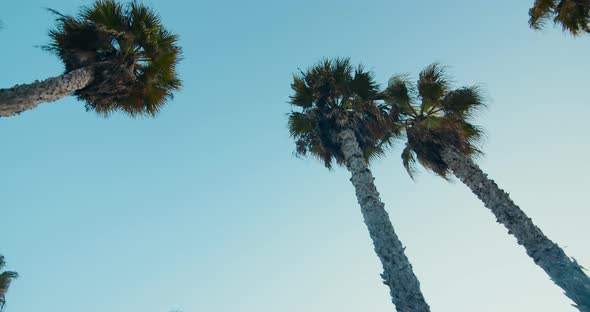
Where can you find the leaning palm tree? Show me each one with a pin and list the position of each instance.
(572, 15)
(338, 120)
(116, 57)
(5, 279)
(441, 136)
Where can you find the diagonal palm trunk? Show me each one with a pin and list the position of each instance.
(398, 274)
(24, 97)
(565, 272)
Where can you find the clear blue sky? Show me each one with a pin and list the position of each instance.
(205, 208)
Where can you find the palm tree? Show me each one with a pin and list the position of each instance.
(117, 58)
(5, 279)
(338, 120)
(572, 15)
(440, 135)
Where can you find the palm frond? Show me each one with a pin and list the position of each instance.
(303, 96)
(573, 16)
(432, 85)
(463, 102)
(363, 84)
(409, 160)
(399, 94)
(299, 124)
(540, 12)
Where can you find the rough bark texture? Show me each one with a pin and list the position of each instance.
(398, 275)
(564, 271)
(24, 97)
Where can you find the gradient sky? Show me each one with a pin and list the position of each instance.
(205, 208)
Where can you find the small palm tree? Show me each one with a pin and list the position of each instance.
(572, 15)
(338, 120)
(117, 58)
(441, 137)
(5, 279)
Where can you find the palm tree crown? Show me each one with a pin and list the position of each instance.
(134, 55)
(5, 279)
(434, 117)
(572, 15)
(333, 95)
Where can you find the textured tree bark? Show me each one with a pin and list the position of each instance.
(24, 97)
(564, 271)
(398, 274)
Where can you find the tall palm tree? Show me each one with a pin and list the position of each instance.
(572, 15)
(440, 135)
(338, 120)
(5, 279)
(116, 57)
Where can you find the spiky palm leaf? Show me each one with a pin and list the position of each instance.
(134, 55)
(334, 95)
(434, 117)
(572, 15)
(5, 279)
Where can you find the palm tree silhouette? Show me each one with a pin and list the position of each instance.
(440, 135)
(339, 120)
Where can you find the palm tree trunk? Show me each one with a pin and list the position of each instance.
(398, 274)
(564, 271)
(24, 97)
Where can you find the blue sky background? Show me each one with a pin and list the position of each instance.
(205, 208)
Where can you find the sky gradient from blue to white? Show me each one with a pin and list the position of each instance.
(205, 208)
